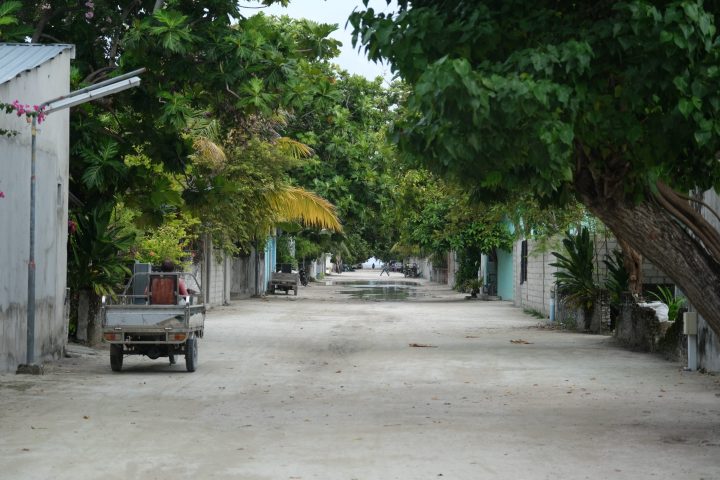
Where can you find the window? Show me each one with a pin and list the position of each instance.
(523, 261)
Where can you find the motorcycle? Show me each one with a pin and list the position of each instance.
(303, 277)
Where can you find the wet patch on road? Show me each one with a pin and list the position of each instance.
(380, 291)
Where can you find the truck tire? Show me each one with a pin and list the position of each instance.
(191, 354)
(116, 357)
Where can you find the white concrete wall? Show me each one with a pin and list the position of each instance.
(708, 342)
(36, 86)
(243, 276)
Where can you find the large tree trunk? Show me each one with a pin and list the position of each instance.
(89, 328)
(632, 261)
(664, 228)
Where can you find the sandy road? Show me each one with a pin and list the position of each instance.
(322, 386)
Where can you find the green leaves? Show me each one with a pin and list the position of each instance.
(10, 27)
(574, 279)
(95, 261)
(103, 166)
(618, 279)
(255, 98)
(172, 31)
(501, 91)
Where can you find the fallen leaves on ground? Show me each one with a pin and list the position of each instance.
(422, 345)
(520, 341)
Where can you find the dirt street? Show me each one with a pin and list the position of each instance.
(328, 386)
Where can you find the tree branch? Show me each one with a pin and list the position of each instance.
(690, 218)
(112, 53)
(50, 37)
(96, 73)
(159, 4)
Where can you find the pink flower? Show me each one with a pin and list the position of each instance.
(89, 15)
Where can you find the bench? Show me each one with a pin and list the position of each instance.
(284, 281)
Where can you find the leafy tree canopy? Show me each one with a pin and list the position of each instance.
(528, 86)
(613, 103)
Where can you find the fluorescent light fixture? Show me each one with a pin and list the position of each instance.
(72, 100)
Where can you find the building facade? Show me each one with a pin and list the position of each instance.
(32, 74)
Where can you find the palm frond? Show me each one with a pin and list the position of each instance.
(293, 148)
(297, 204)
(575, 280)
(208, 153)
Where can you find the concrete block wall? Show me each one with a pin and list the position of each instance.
(242, 284)
(535, 292)
(214, 274)
(444, 274)
(241, 274)
(219, 284)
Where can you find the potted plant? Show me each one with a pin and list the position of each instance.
(474, 285)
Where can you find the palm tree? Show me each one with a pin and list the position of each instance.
(295, 204)
(280, 202)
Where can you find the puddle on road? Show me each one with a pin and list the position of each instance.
(379, 291)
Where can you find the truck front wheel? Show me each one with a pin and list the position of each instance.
(116, 357)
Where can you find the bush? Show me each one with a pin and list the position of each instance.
(575, 278)
(169, 241)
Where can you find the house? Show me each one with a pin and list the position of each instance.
(533, 272)
(32, 74)
(496, 270)
(534, 281)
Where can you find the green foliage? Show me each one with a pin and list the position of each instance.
(667, 296)
(358, 249)
(574, 279)
(169, 241)
(306, 249)
(283, 251)
(534, 313)
(618, 279)
(435, 218)
(353, 167)
(10, 28)
(504, 111)
(230, 198)
(96, 259)
(471, 285)
(240, 82)
(468, 267)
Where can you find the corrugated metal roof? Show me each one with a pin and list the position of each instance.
(16, 58)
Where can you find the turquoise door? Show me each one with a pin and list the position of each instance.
(505, 284)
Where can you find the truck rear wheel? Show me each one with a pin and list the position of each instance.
(116, 357)
(191, 354)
